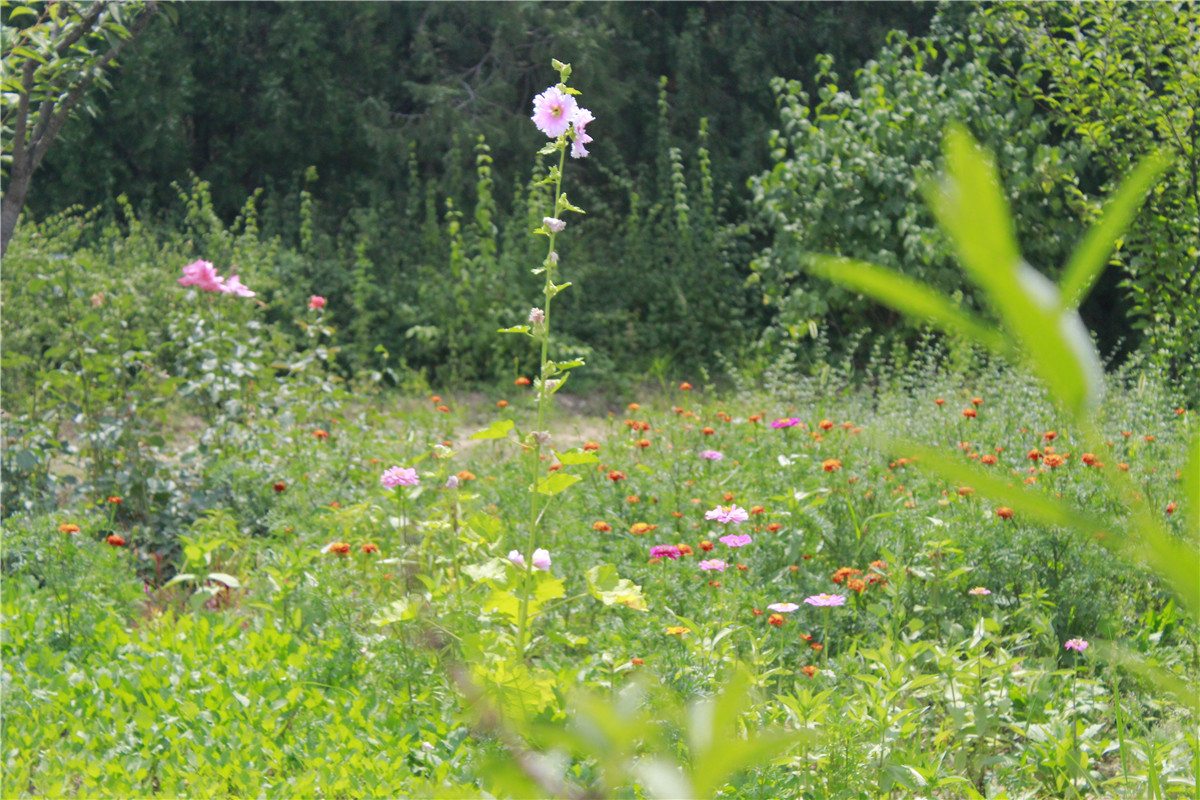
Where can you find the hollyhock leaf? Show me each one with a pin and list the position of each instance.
(548, 587)
(609, 588)
(547, 149)
(571, 459)
(497, 430)
(556, 482)
(515, 329)
(398, 611)
(492, 570)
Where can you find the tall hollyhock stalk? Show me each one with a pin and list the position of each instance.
(556, 114)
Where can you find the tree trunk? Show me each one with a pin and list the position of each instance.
(12, 203)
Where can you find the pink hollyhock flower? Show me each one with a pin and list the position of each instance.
(202, 274)
(1076, 644)
(783, 608)
(582, 118)
(736, 540)
(555, 225)
(785, 422)
(235, 286)
(826, 600)
(553, 111)
(712, 455)
(316, 301)
(727, 514)
(664, 551)
(541, 559)
(399, 476)
(715, 563)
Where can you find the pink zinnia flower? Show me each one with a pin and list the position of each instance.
(399, 476)
(316, 301)
(783, 608)
(664, 551)
(712, 455)
(785, 422)
(826, 600)
(727, 514)
(736, 540)
(580, 121)
(1076, 644)
(715, 563)
(235, 286)
(979, 591)
(553, 111)
(202, 274)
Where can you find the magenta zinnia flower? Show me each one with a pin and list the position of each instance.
(1076, 644)
(553, 111)
(664, 551)
(715, 563)
(728, 514)
(579, 123)
(785, 422)
(736, 540)
(712, 455)
(826, 600)
(399, 476)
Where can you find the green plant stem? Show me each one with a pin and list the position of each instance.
(536, 448)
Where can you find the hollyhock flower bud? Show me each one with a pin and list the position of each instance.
(555, 225)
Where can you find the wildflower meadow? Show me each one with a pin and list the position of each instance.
(237, 565)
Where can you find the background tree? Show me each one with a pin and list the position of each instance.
(53, 53)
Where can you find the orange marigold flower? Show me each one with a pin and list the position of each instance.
(634, 407)
(847, 426)
(879, 564)
(1004, 512)
(793, 568)
(845, 572)
(677, 409)
(601, 526)
(755, 418)
(817, 646)
(977, 401)
(742, 567)
(1123, 467)
(686, 550)
(707, 431)
(988, 458)
(825, 425)
(970, 413)
(728, 497)
(114, 499)
(335, 504)
(1050, 436)
(715, 584)
(685, 386)
(1171, 507)
(615, 476)
(444, 409)
(676, 514)
(643, 443)
(773, 527)
(1054, 460)
(321, 434)
(706, 545)
(856, 585)
(632, 498)
(68, 527)
(939, 401)
(590, 445)
(1088, 458)
(775, 619)
(341, 548)
(643, 426)
(965, 491)
(637, 662)
(831, 464)
(809, 670)
(466, 475)
(554, 467)
(756, 612)
(1033, 455)
(118, 541)
(757, 510)
(639, 528)
(1148, 437)
(522, 381)
(279, 486)
(369, 547)
(435, 398)
(501, 404)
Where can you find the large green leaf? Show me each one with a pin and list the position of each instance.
(556, 482)
(497, 430)
(610, 588)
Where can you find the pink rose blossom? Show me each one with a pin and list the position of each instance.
(202, 274)
(826, 600)
(316, 301)
(727, 514)
(736, 540)
(714, 563)
(399, 476)
(553, 110)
